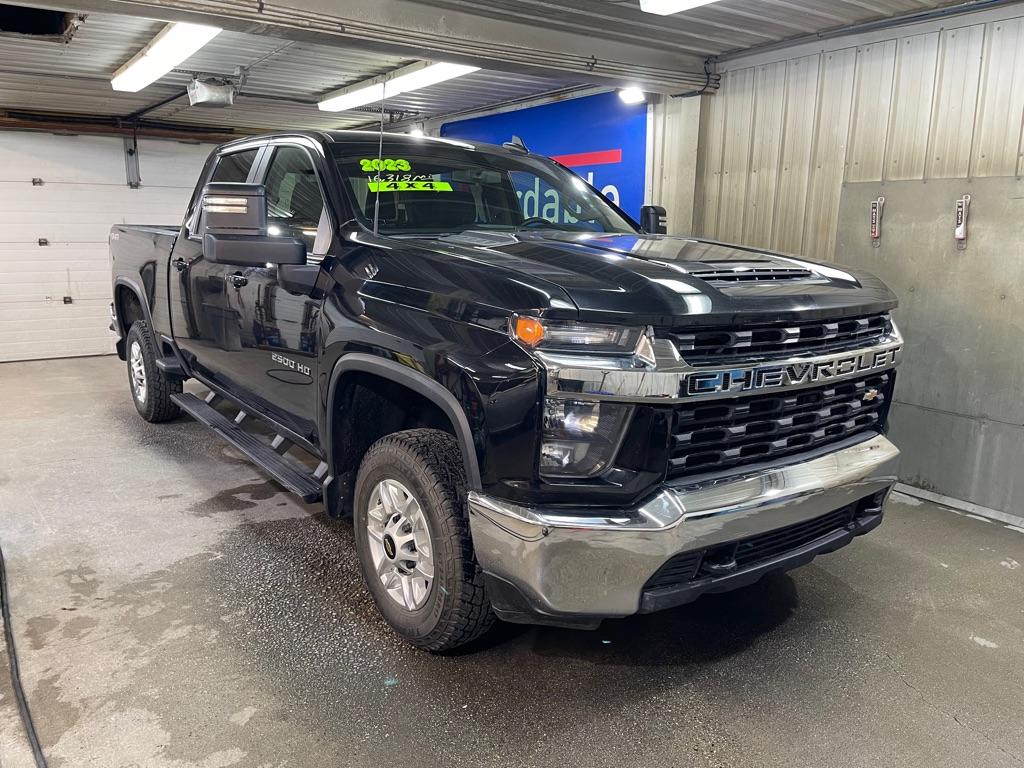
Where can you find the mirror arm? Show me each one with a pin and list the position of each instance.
(300, 278)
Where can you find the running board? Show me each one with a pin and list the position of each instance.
(269, 458)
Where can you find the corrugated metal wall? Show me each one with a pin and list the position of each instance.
(780, 138)
(798, 142)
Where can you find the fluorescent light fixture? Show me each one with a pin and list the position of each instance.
(175, 43)
(411, 78)
(668, 7)
(632, 95)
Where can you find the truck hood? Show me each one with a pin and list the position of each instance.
(667, 281)
(654, 280)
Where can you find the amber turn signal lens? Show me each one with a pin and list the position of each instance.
(529, 330)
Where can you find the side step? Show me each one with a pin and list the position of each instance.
(302, 484)
(171, 366)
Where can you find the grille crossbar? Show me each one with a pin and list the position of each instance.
(779, 340)
(725, 434)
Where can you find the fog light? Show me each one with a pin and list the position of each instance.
(581, 438)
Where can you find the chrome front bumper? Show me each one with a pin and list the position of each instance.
(570, 566)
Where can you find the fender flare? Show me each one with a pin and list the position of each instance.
(135, 288)
(419, 383)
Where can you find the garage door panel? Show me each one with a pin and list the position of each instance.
(82, 196)
(171, 164)
(91, 159)
(33, 330)
(82, 213)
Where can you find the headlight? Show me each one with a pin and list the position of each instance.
(558, 336)
(580, 438)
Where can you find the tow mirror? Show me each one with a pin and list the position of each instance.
(653, 220)
(233, 226)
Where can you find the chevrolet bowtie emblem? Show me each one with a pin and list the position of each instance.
(871, 394)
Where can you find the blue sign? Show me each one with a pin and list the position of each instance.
(601, 138)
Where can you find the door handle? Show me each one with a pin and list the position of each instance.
(179, 264)
(238, 280)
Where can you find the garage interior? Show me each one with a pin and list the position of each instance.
(173, 607)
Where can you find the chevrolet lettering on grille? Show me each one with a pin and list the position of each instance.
(795, 374)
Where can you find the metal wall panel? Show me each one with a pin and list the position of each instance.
(959, 414)
(922, 116)
(947, 103)
(712, 126)
(828, 159)
(795, 157)
(907, 144)
(739, 111)
(770, 87)
(956, 99)
(872, 102)
(1001, 105)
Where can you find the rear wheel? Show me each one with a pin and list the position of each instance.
(151, 387)
(413, 541)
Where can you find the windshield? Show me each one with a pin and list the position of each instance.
(436, 189)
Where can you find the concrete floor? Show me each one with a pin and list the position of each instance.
(173, 609)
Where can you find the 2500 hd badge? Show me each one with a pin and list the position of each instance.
(287, 363)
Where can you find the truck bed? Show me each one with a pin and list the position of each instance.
(139, 259)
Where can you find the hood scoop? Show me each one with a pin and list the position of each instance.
(731, 272)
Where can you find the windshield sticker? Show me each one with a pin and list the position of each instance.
(369, 165)
(410, 186)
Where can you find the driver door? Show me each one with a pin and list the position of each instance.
(277, 328)
(202, 321)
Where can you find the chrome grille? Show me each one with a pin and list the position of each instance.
(712, 436)
(779, 340)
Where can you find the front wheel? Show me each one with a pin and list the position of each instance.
(413, 541)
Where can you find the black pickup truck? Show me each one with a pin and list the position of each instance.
(551, 418)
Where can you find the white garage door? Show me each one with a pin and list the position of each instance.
(82, 191)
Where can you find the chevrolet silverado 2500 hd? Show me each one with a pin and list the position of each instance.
(551, 419)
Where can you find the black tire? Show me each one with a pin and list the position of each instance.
(428, 463)
(156, 404)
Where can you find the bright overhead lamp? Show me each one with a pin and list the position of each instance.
(668, 7)
(411, 78)
(632, 95)
(175, 43)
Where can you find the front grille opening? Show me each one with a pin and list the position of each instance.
(767, 427)
(778, 340)
(724, 558)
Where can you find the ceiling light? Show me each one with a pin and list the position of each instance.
(668, 7)
(411, 78)
(632, 95)
(175, 43)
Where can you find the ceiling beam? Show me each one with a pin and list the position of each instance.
(417, 31)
